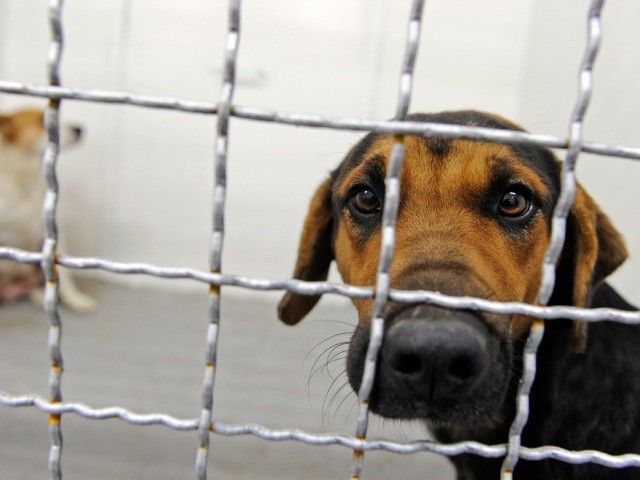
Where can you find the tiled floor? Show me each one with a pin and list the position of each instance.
(144, 350)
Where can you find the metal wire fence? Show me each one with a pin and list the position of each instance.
(205, 424)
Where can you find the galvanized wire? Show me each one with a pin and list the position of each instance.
(85, 411)
(558, 232)
(296, 435)
(59, 92)
(389, 217)
(49, 247)
(49, 257)
(434, 129)
(321, 288)
(217, 235)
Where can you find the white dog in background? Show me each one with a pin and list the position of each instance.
(22, 188)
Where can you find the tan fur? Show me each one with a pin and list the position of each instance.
(22, 188)
(435, 222)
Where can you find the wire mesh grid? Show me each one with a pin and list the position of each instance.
(205, 424)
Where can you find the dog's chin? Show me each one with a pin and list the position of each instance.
(439, 414)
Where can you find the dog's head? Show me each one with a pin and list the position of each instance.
(24, 130)
(474, 219)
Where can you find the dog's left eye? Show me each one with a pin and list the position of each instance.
(366, 202)
(514, 203)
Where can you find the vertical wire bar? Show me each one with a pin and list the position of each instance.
(558, 232)
(49, 247)
(389, 217)
(217, 236)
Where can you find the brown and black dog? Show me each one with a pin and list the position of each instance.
(475, 219)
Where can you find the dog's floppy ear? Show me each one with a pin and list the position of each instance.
(315, 254)
(593, 250)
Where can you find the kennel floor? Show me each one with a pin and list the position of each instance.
(144, 350)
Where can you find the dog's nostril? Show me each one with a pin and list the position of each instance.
(408, 364)
(462, 368)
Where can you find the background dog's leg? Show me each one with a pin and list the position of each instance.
(71, 297)
(37, 297)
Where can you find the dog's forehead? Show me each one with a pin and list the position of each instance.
(449, 164)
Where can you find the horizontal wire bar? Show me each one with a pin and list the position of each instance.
(315, 121)
(516, 308)
(512, 137)
(320, 288)
(96, 413)
(22, 256)
(354, 443)
(580, 457)
(265, 433)
(106, 96)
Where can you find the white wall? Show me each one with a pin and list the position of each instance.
(139, 189)
(548, 93)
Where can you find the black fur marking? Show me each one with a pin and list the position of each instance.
(439, 147)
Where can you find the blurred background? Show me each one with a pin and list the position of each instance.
(139, 188)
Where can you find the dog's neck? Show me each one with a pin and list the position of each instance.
(22, 188)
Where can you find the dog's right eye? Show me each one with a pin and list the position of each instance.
(513, 204)
(366, 202)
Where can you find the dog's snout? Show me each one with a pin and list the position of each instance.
(436, 358)
(77, 132)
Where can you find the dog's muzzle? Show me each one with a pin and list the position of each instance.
(436, 359)
(435, 364)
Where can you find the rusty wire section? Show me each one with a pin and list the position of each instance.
(225, 109)
(217, 236)
(50, 244)
(389, 217)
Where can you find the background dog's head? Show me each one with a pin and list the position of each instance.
(24, 130)
(474, 219)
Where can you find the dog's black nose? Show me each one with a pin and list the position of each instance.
(435, 354)
(77, 131)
